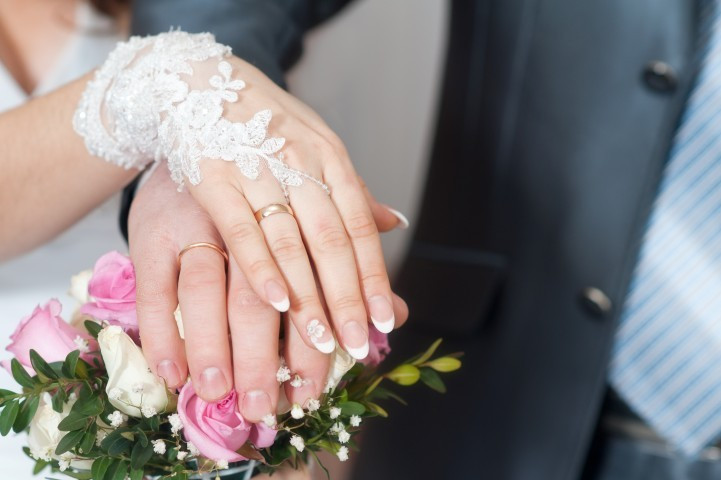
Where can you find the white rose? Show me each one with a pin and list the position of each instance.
(133, 385)
(44, 435)
(340, 363)
(79, 286)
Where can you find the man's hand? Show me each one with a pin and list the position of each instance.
(214, 302)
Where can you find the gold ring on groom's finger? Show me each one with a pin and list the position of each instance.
(272, 209)
(201, 245)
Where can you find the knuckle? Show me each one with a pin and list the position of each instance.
(246, 298)
(361, 225)
(302, 302)
(376, 276)
(201, 275)
(259, 266)
(287, 247)
(242, 232)
(332, 239)
(348, 302)
(152, 296)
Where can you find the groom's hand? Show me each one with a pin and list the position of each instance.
(162, 222)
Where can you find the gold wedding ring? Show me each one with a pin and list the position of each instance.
(202, 245)
(272, 209)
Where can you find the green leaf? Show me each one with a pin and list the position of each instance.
(154, 423)
(352, 408)
(26, 414)
(88, 441)
(431, 378)
(100, 466)
(58, 401)
(374, 407)
(140, 436)
(93, 328)
(404, 375)
(445, 364)
(69, 441)
(116, 444)
(5, 393)
(122, 470)
(140, 455)
(41, 366)
(74, 421)
(137, 474)
(40, 465)
(20, 374)
(71, 363)
(8, 416)
(428, 353)
(90, 406)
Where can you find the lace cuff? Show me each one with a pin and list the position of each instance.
(141, 107)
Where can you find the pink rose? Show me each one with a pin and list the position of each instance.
(49, 335)
(379, 347)
(112, 291)
(218, 429)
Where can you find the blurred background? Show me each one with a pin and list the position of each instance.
(372, 72)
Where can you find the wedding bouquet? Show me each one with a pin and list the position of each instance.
(94, 410)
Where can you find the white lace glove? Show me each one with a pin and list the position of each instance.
(141, 107)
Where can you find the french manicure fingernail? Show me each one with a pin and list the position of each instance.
(404, 223)
(355, 340)
(381, 312)
(213, 385)
(320, 336)
(168, 371)
(255, 405)
(277, 296)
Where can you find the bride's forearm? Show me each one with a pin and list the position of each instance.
(49, 180)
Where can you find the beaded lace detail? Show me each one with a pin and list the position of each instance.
(140, 108)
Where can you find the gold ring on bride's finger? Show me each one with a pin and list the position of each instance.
(201, 245)
(272, 209)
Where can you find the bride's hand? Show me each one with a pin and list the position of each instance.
(332, 235)
(163, 221)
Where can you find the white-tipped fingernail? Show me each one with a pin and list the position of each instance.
(359, 353)
(353, 334)
(404, 223)
(381, 313)
(277, 297)
(321, 338)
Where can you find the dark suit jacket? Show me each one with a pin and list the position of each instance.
(555, 123)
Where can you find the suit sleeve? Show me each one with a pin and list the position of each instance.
(266, 33)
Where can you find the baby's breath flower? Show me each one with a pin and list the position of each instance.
(337, 427)
(176, 424)
(297, 382)
(193, 449)
(63, 465)
(100, 436)
(297, 442)
(149, 411)
(343, 454)
(82, 344)
(355, 421)
(297, 412)
(115, 393)
(335, 412)
(313, 405)
(221, 465)
(283, 374)
(159, 447)
(117, 418)
(181, 455)
(343, 436)
(270, 420)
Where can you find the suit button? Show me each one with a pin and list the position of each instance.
(596, 302)
(660, 76)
